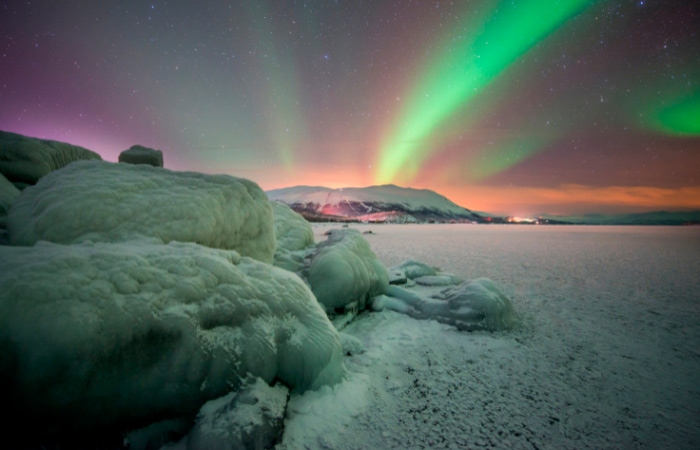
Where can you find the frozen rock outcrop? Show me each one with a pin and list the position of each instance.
(470, 306)
(107, 202)
(345, 272)
(96, 335)
(250, 419)
(25, 160)
(138, 154)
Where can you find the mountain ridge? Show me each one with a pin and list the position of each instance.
(384, 203)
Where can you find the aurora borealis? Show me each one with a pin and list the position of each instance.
(513, 107)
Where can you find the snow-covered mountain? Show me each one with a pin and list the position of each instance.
(375, 203)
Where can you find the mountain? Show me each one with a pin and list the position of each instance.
(387, 203)
(649, 218)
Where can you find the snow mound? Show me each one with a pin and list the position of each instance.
(344, 272)
(25, 159)
(8, 195)
(470, 306)
(139, 154)
(107, 202)
(292, 231)
(103, 334)
(251, 418)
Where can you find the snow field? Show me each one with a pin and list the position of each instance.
(605, 355)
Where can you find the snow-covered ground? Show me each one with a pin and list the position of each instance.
(607, 354)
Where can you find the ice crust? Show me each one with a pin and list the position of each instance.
(139, 154)
(107, 202)
(344, 270)
(26, 159)
(131, 333)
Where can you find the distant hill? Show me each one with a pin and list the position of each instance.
(387, 203)
(650, 218)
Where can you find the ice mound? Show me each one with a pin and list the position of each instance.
(25, 159)
(8, 195)
(139, 154)
(470, 306)
(93, 335)
(252, 418)
(292, 231)
(294, 235)
(413, 270)
(107, 202)
(344, 272)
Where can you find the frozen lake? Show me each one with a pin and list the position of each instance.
(608, 354)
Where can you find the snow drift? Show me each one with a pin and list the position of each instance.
(344, 271)
(25, 159)
(99, 334)
(107, 202)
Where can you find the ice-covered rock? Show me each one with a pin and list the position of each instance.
(107, 202)
(8, 195)
(414, 269)
(292, 231)
(294, 235)
(440, 279)
(344, 271)
(250, 419)
(470, 306)
(99, 334)
(138, 154)
(25, 159)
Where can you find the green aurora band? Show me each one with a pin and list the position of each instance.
(681, 118)
(460, 74)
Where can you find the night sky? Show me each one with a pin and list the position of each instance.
(513, 107)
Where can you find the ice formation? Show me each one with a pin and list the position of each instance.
(252, 418)
(25, 159)
(292, 231)
(107, 202)
(139, 154)
(294, 235)
(97, 334)
(470, 306)
(344, 272)
(8, 195)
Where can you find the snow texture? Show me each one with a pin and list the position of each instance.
(139, 154)
(8, 195)
(100, 334)
(25, 159)
(345, 273)
(251, 418)
(107, 202)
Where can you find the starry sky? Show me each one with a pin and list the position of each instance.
(513, 107)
